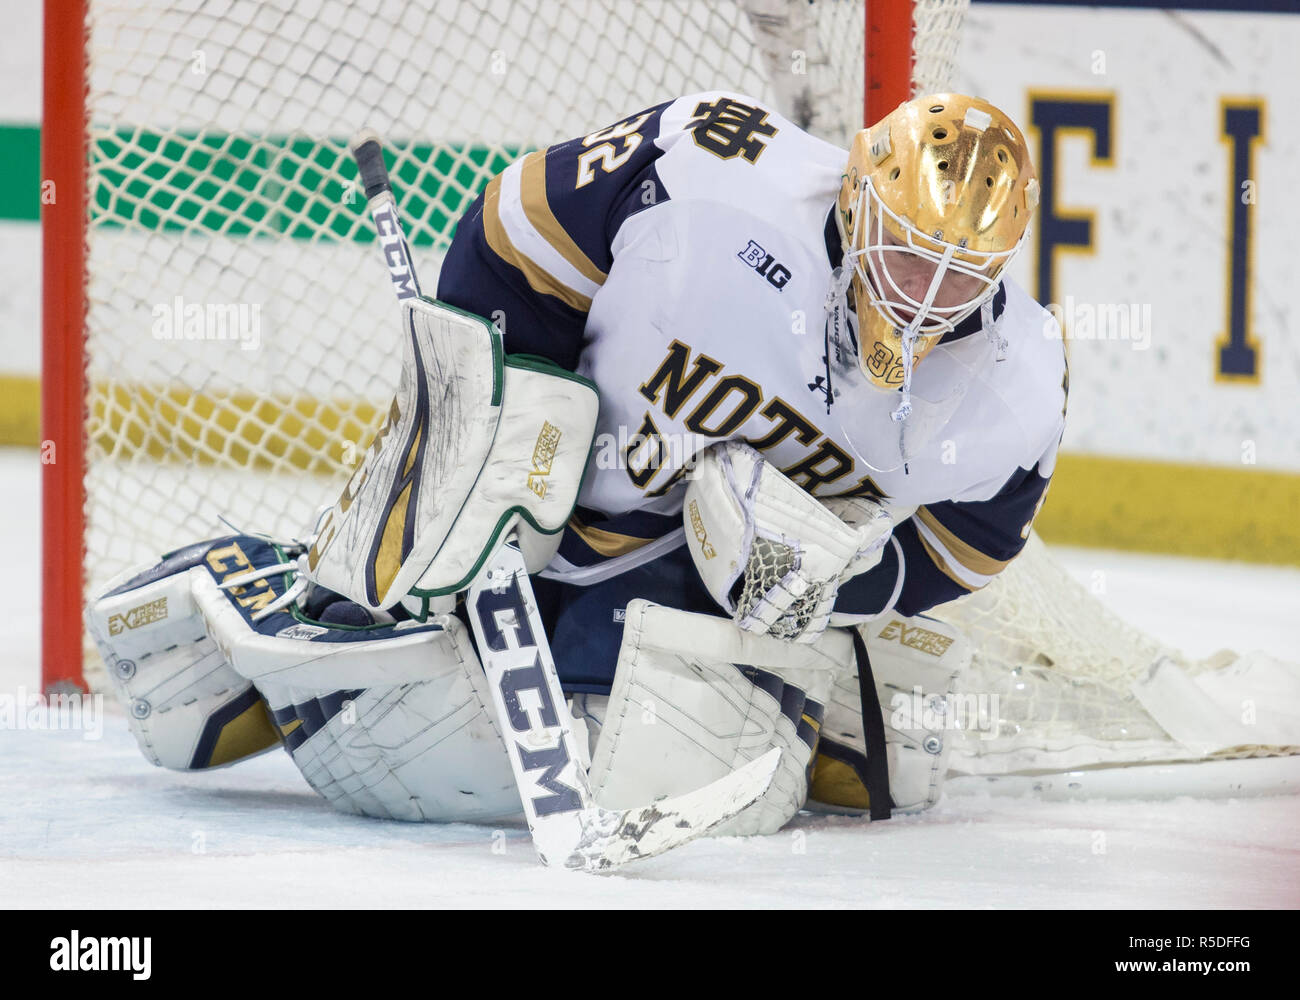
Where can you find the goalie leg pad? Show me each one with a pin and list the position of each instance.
(423, 751)
(916, 664)
(186, 706)
(694, 698)
(387, 720)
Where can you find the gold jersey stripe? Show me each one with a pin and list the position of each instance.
(965, 553)
(606, 543)
(539, 279)
(942, 563)
(532, 192)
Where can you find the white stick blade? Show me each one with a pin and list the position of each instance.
(612, 838)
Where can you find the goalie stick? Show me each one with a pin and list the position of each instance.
(568, 828)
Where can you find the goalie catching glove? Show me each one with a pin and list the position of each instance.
(767, 551)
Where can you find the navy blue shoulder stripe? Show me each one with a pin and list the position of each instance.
(595, 182)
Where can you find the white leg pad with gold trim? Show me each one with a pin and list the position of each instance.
(187, 707)
(694, 698)
(427, 750)
(916, 663)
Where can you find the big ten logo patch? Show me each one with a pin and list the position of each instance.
(777, 275)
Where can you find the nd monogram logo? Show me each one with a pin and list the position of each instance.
(727, 129)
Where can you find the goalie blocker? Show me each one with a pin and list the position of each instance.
(477, 444)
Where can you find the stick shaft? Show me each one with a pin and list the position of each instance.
(530, 704)
(369, 155)
(507, 625)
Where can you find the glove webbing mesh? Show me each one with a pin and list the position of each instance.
(769, 562)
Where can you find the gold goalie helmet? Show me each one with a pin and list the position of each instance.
(935, 202)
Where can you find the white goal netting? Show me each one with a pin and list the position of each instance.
(238, 325)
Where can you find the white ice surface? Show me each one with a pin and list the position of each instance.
(89, 823)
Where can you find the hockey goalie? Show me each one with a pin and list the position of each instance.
(748, 405)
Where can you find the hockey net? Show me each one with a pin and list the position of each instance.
(233, 344)
(236, 342)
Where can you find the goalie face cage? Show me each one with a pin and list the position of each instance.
(214, 334)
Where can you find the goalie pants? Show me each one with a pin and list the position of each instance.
(585, 624)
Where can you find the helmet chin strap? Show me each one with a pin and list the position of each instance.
(836, 321)
(993, 329)
(904, 408)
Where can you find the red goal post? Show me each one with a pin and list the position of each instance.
(63, 367)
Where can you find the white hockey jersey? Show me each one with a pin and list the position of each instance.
(681, 259)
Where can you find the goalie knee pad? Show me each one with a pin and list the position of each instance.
(916, 664)
(694, 698)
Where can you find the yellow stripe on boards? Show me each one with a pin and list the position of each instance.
(238, 430)
(20, 410)
(1209, 512)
